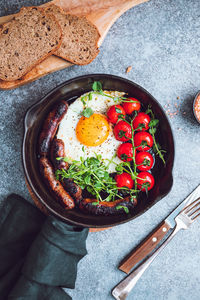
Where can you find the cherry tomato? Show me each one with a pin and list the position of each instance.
(124, 180)
(141, 122)
(144, 161)
(125, 152)
(145, 138)
(122, 131)
(145, 181)
(113, 113)
(130, 107)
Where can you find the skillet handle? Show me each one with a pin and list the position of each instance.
(32, 115)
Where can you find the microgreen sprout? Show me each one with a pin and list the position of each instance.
(87, 112)
(123, 207)
(92, 174)
(153, 124)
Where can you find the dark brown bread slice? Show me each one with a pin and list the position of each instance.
(80, 37)
(30, 37)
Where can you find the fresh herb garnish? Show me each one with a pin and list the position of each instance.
(153, 124)
(83, 100)
(95, 203)
(65, 159)
(92, 174)
(152, 130)
(123, 207)
(97, 86)
(59, 158)
(87, 112)
(90, 96)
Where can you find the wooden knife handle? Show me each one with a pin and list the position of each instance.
(145, 248)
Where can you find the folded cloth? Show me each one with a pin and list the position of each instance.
(39, 265)
(20, 223)
(27, 289)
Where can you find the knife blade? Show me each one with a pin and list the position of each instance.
(157, 236)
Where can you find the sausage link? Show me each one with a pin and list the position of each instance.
(50, 127)
(106, 208)
(58, 150)
(73, 189)
(55, 186)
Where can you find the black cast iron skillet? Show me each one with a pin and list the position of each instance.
(69, 91)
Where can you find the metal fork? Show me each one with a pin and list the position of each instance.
(183, 221)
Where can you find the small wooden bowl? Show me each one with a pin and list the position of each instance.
(194, 103)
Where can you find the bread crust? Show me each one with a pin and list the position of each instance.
(89, 22)
(97, 48)
(47, 54)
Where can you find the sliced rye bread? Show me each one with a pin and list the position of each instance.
(80, 37)
(30, 37)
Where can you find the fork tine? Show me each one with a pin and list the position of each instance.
(194, 212)
(195, 217)
(191, 206)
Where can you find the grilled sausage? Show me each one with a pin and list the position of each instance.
(54, 185)
(73, 189)
(107, 208)
(58, 150)
(50, 127)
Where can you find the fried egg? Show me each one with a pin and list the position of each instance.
(86, 137)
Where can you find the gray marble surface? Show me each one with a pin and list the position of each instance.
(160, 40)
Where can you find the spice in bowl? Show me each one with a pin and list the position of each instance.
(196, 107)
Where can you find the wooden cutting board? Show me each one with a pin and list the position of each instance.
(103, 13)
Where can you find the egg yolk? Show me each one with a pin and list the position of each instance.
(92, 131)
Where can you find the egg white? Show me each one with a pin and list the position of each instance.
(67, 130)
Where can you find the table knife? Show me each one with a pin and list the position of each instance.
(157, 236)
